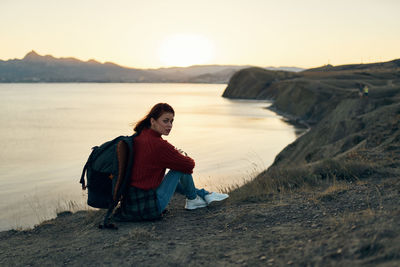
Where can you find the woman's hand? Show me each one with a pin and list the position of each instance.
(182, 152)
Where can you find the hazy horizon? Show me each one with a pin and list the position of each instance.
(160, 34)
(134, 67)
(171, 67)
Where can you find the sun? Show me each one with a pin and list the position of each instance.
(182, 50)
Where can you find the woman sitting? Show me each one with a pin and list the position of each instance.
(150, 188)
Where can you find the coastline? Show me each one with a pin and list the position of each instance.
(295, 121)
(29, 203)
(330, 198)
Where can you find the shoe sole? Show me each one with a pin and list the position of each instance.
(208, 203)
(196, 207)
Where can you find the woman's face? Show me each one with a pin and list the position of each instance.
(163, 124)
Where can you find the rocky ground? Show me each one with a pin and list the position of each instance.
(340, 224)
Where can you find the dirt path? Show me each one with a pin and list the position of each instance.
(349, 224)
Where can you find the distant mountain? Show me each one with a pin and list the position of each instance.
(36, 68)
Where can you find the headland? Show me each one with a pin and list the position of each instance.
(330, 198)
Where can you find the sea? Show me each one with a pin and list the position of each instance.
(47, 131)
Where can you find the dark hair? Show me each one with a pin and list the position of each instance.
(154, 113)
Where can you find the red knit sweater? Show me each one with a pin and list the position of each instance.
(152, 156)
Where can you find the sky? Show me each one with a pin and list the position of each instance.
(164, 33)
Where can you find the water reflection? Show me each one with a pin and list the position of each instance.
(50, 128)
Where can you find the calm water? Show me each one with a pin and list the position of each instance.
(47, 131)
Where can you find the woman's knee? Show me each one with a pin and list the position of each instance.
(181, 175)
(176, 172)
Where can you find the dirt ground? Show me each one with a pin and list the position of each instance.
(346, 224)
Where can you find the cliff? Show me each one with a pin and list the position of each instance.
(255, 83)
(343, 125)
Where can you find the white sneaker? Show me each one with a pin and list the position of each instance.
(213, 196)
(196, 203)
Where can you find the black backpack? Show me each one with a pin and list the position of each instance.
(108, 170)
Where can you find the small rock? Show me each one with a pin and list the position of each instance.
(270, 260)
(339, 251)
(290, 262)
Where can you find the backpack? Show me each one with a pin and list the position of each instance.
(108, 170)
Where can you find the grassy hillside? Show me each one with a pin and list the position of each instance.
(349, 137)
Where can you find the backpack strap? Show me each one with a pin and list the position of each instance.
(125, 159)
(106, 222)
(122, 156)
(82, 181)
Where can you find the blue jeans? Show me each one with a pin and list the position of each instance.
(175, 181)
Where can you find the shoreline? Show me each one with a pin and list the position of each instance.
(295, 121)
(16, 218)
(330, 198)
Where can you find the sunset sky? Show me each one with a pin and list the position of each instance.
(160, 33)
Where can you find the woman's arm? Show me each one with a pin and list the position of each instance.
(122, 155)
(172, 159)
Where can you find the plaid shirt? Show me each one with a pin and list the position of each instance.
(138, 205)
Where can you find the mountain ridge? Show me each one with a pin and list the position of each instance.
(37, 68)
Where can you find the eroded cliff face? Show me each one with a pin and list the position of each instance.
(343, 125)
(297, 96)
(356, 129)
(255, 83)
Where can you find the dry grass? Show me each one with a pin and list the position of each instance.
(42, 210)
(69, 205)
(352, 219)
(334, 188)
(333, 174)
